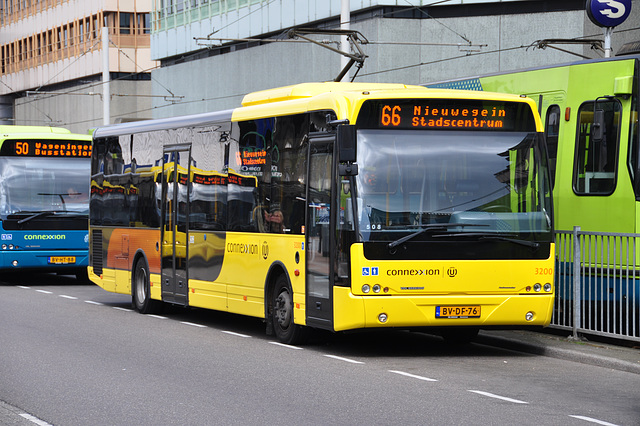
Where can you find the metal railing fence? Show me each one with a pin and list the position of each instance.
(597, 284)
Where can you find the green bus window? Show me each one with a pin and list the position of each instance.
(634, 139)
(551, 133)
(595, 166)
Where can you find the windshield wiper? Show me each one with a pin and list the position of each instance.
(35, 215)
(499, 237)
(431, 227)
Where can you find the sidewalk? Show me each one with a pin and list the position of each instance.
(555, 346)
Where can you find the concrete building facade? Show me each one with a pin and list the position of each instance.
(51, 59)
(176, 57)
(214, 51)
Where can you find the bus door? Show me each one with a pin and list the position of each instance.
(175, 213)
(320, 222)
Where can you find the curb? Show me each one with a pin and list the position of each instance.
(585, 356)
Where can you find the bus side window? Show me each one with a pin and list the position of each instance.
(551, 133)
(634, 142)
(595, 167)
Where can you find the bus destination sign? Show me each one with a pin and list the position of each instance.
(46, 148)
(440, 114)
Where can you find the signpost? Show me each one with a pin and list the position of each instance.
(608, 14)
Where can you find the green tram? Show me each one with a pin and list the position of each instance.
(590, 110)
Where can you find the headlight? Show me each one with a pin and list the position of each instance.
(366, 288)
(537, 287)
(547, 287)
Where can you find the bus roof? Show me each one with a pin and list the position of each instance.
(447, 83)
(9, 130)
(309, 90)
(299, 98)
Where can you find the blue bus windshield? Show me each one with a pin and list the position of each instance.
(43, 185)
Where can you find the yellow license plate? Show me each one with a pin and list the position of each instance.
(457, 311)
(62, 260)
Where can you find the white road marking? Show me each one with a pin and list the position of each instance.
(156, 316)
(35, 420)
(91, 302)
(193, 324)
(344, 359)
(44, 291)
(504, 398)
(589, 419)
(23, 286)
(286, 346)
(235, 334)
(402, 373)
(68, 297)
(122, 309)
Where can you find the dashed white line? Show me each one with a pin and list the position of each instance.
(156, 316)
(402, 373)
(353, 361)
(23, 286)
(285, 345)
(504, 398)
(91, 302)
(589, 419)
(122, 309)
(44, 291)
(68, 297)
(35, 420)
(233, 333)
(193, 324)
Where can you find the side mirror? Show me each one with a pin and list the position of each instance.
(597, 127)
(347, 149)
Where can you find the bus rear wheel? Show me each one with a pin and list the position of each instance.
(140, 289)
(282, 314)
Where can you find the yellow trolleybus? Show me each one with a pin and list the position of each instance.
(335, 206)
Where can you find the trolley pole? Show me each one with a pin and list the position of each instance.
(106, 92)
(345, 18)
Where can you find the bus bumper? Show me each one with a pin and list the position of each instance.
(44, 261)
(353, 312)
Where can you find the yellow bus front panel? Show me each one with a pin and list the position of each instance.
(445, 293)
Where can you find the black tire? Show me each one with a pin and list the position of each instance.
(282, 314)
(140, 289)
(457, 336)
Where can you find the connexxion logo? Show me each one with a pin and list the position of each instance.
(242, 248)
(45, 237)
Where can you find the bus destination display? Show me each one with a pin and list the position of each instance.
(440, 114)
(46, 148)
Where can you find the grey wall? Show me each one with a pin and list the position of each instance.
(219, 82)
(81, 110)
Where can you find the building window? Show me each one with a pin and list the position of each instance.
(144, 23)
(125, 23)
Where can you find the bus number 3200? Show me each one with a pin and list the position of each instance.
(544, 271)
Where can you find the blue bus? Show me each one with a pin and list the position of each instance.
(44, 200)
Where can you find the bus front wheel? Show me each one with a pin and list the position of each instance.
(140, 289)
(282, 314)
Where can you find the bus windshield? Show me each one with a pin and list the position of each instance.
(452, 183)
(40, 185)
